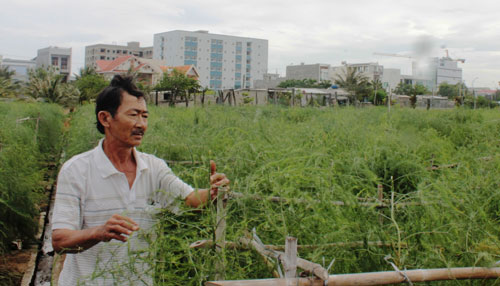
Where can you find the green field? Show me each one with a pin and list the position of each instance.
(446, 217)
(30, 138)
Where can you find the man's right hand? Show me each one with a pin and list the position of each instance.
(117, 227)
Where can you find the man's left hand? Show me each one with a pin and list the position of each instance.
(216, 180)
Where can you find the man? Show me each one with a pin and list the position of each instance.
(105, 196)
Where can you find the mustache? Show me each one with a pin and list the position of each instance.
(138, 131)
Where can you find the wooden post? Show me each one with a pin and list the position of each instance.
(220, 235)
(293, 97)
(380, 193)
(290, 262)
(256, 97)
(36, 127)
(156, 98)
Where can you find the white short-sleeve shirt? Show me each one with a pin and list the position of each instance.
(89, 191)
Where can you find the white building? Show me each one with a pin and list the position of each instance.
(222, 61)
(373, 71)
(60, 58)
(318, 72)
(391, 78)
(20, 67)
(437, 71)
(107, 52)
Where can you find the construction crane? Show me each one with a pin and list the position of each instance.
(449, 58)
(393, 55)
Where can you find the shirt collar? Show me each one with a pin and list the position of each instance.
(106, 168)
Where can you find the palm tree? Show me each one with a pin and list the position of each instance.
(353, 81)
(376, 85)
(8, 86)
(49, 86)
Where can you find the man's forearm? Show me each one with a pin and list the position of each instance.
(73, 241)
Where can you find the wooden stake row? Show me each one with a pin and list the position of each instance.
(208, 243)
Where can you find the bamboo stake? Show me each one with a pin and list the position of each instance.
(220, 230)
(290, 262)
(310, 267)
(380, 193)
(208, 243)
(377, 278)
(171, 162)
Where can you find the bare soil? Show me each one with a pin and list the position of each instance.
(13, 265)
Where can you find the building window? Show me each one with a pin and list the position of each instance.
(103, 50)
(64, 63)
(102, 57)
(55, 61)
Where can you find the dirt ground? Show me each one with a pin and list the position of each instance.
(13, 265)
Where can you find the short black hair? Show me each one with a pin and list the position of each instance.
(110, 97)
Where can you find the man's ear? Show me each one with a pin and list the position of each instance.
(104, 118)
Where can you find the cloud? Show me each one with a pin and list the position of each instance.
(308, 31)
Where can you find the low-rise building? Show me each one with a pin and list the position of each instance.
(148, 71)
(20, 67)
(269, 80)
(318, 72)
(59, 58)
(109, 52)
(373, 71)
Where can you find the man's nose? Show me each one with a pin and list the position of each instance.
(141, 121)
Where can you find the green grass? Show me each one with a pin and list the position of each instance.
(323, 155)
(24, 151)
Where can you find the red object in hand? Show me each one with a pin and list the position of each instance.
(213, 190)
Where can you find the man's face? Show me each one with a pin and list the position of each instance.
(130, 122)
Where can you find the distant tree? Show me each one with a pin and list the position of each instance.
(354, 82)
(49, 86)
(325, 84)
(377, 92)
(305, 83)
(89, 83)
(408, 89)
(178, 84)
(403, 89)
(448, 90)
(6, 73)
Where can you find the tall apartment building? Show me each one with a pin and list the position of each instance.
(222, 61)
(107, 52)
(317, 72)
(60, 58)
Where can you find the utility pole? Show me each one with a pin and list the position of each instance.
(474, 91)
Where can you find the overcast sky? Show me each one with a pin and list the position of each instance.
(313, 31)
